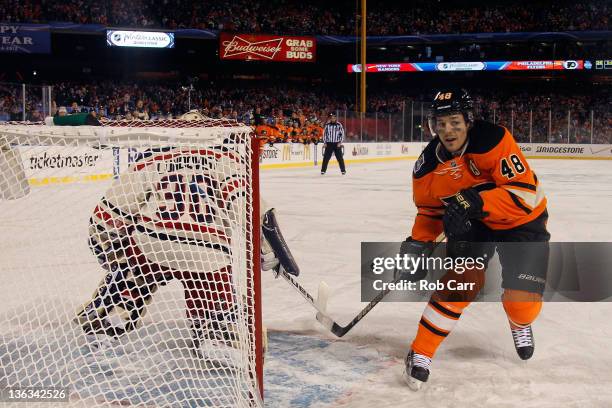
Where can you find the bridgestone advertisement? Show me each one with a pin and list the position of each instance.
(562, 151)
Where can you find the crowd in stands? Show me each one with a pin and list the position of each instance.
(298, 113)
(319, 17)
(553, 117)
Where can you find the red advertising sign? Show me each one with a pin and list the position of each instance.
(384, 67)
(252, 47)
(544, 65)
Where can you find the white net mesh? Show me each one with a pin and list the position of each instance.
(155, 220)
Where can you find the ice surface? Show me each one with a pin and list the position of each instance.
(325, 218)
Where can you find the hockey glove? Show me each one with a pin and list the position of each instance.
(464, 206)
(268, 257)
(411, 248)
(108, 246)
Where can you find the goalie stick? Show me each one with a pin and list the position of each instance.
(340, 331)
(320, 303)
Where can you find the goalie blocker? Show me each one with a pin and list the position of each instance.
(274, 238)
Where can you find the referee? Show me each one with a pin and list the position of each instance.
(333, 136)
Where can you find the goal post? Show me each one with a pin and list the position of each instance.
(160, 222)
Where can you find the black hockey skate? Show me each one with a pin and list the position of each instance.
(417, 370)
(216, 341)
(219, 326)
(523, 341)
(100, 325)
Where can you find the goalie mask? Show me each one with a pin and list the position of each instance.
(192, 115)
(450, 102)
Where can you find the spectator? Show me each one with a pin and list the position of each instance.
(35, 116)
(140, 112)
(258, 118)
(112, 113)
(532, 115)
(320, 17)
(74, 107)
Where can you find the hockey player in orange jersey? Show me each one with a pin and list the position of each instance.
(473, 183)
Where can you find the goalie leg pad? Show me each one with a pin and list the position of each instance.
(206, 292)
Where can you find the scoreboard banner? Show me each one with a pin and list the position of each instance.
(472, 66)
(139, 39)
(256, 47)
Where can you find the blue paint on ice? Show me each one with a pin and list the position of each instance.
(300, 371)
(303, 371)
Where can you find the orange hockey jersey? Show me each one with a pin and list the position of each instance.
(494, 164)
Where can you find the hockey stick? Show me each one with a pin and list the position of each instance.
(287, 267)
(340, 331)
(320, 303)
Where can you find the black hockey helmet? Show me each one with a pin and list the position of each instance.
(450, 102)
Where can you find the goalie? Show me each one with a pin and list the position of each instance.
(175, 214)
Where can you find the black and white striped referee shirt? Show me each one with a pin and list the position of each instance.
(333, 132)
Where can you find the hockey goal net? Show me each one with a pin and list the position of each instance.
(160, 221)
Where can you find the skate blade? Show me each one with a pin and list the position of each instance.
(218, 354)
(412, 382)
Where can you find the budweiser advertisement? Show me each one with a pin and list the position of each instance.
(252, 47)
